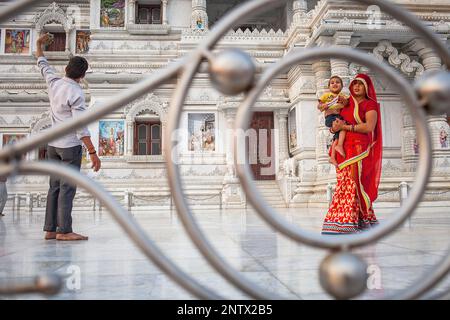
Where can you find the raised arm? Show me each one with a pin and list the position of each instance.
(47, 71)
(39, 43)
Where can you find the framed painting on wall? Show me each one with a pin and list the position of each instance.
(82, 41)
(17, 41)
(201, 130)
(111, 138)
(12, 138)
(9, 139)
(112, 13)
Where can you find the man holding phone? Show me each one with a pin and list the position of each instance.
(66, 102)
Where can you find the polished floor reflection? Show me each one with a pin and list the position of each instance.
(111, 267)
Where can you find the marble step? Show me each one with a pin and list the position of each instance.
(273, 198)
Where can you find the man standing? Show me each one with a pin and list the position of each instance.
(66, 102)
(3, 194)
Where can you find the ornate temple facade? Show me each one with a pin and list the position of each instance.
(126, 40)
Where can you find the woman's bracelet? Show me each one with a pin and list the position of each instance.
(93, 152)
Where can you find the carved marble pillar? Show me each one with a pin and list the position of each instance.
(163, 118)
(199, 17)
(67, 49)
(282, 116)
(163, 137)
(232, 194)
(306, 187)
(230, 116)
(341, 67)
(164, 12)
(409, 142)
(131, 11)
(437, 124)
(322, 73)
(130, 138)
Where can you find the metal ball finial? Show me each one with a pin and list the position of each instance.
(433, 89)
(343, 275)
(48, 284)
(232, 71)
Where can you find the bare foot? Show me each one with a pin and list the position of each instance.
(334, 162)
(340, 149)
(70, 237)
(50, 235)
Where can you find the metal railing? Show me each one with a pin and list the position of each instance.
(340, 262)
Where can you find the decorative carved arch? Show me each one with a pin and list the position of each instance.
(53, 14)
(148, 104)
(401, 61)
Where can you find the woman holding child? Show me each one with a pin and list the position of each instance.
(359, 166)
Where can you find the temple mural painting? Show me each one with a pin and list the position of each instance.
(111, 138)
(82, 40)
(201, 128)
(112, 13)
(17, 41)
(12, 138)
(9, 139)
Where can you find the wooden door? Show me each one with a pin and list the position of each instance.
(261, 146)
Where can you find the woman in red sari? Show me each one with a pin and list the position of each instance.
(358, 174)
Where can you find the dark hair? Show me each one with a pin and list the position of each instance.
(336, 77)
(77, 68)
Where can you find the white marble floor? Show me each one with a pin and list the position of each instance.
(111, 267)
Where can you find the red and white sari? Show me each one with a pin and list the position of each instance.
(358, 174)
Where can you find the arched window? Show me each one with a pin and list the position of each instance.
(147, 139)
(55, 21)
(148, 13)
